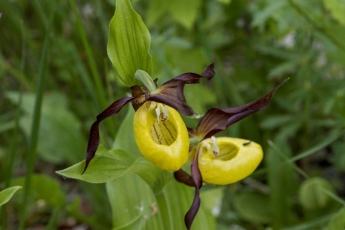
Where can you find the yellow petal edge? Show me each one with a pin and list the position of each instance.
(167, 157)
(243, 157)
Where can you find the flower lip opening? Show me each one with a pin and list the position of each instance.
(219, 151)
(227, 152)
(163, 131)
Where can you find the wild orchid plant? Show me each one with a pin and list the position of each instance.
(160, 133)
(163, 138)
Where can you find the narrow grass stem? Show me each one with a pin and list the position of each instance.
(16, 128)
(35, 126)
(90, 57)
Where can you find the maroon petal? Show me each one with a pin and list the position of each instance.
(208, 72)
(183, 177)
(216, 120)
(171, 92)
(94, 131)
(196, 175)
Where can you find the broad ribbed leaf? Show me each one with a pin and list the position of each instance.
(57, 123)
(175, 201)
(6, 194)
(107, 166)
(133, 204)
(128, 43)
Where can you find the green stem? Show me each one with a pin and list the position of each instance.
(35, 126)
(89, 55)
(52, 224)
(17, 116)
(14, 142)
(93, 67)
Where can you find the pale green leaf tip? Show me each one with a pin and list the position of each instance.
(15, 188)
(146, 79)
(7, 194)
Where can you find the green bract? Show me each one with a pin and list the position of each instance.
(128, 43)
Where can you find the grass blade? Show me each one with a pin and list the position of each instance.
(326, 142)
(35, 125)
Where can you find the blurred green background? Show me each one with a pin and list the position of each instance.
(55, 52)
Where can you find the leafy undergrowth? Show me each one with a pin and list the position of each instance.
(56, 77)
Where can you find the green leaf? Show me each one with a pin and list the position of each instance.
(338, 221)
(312, 194)
(337, 8)
(44, 187)
(283, 182)
(6, 194)
(156, 9)
(60, 139)
(134, 206)
(128, 43)
(254, 207)
(107, 166)
(212, 198)
(132, 203)
(173, 204)
(185, 12)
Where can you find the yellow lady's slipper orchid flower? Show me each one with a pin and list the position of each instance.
(235, 159)
(221, 160)
(169, 154)
(161, 135)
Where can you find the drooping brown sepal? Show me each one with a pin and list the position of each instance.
(193, 210)
(216, 120)
(93, 143)
(183, 177)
